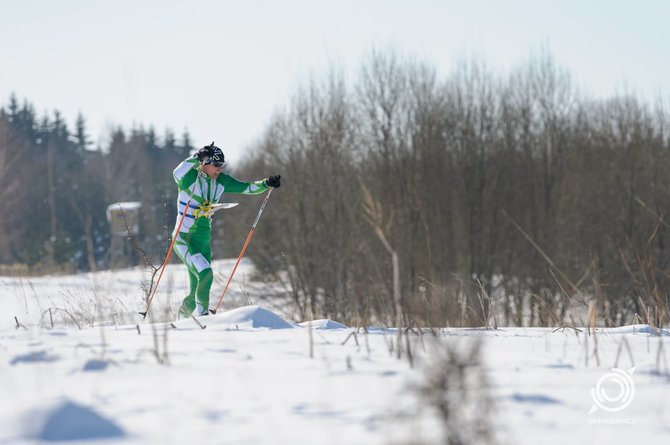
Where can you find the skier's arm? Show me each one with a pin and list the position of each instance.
(186, 172)
(232, 185)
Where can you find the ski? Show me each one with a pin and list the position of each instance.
(224, 205)
(202, 326)
(219, 206)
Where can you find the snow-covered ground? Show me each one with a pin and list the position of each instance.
(247, 376)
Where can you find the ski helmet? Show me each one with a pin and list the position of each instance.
(216, 158)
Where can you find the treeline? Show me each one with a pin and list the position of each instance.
(515, 196)
(55, 188)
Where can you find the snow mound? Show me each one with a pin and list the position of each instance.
(69, 421)
(537, 399)
(638, 329)
(324, 323)
(34, 357)
(252, 316)
(96, 365)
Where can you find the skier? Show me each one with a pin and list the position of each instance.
(201, 184)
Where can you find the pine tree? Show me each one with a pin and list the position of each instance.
(186, 146)
(13, 108)
(170, 143)
(81, 138)
(152, 140)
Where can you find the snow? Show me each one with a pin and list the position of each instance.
(68, 421)
(34, 357)
(95, 365)
(249, 316)
(323, 324)
(248, 377)
(637, 329)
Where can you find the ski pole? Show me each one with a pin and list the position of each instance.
(244, 248)
(169, 252)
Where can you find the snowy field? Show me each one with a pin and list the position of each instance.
(246, 376)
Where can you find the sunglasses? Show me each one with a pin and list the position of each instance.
(217, 164)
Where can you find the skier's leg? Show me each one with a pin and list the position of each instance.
(188, 304)
(205, 280)
(205, 274)
(182, 249)
(196, 254)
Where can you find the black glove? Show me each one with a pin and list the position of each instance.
(273, 181)
(205, 152)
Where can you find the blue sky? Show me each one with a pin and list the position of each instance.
(221, 68)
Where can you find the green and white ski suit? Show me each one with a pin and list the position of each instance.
(192, 243)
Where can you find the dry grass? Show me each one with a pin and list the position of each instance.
(456, 389)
